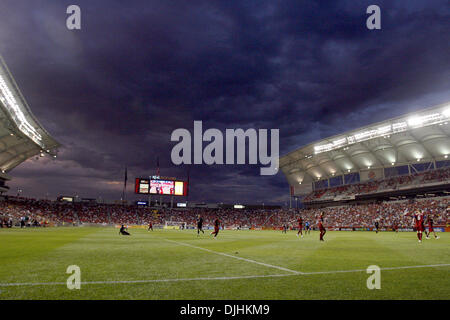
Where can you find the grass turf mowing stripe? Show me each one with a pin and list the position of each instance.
(234, 257)
(219, 278)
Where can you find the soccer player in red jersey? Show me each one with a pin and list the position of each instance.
(150, 226)
(321, 227)
(430, 229)
(300, 226)
(418, 221)
(395, 226)
(216, 228)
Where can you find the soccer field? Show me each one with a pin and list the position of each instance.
(174, 264)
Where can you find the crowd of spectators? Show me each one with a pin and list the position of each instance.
(47, 213)
(35, 212)
(389, 214)
(394, 183)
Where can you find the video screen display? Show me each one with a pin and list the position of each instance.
(179, 188)
(161, 187)
(142, 186)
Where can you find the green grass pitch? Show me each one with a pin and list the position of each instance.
(174, 264)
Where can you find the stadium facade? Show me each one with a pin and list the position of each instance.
(404, 145)
(21, 135)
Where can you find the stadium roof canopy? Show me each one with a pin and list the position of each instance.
(418, 137)
(21, 135)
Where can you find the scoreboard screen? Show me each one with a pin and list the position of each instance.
(142, 185)
(179, 188)
(161, 187)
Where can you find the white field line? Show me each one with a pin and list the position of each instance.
(144, 281)
(383, 269)
(217, 278)
(234, 257)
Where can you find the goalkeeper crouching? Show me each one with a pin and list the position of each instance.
(123, 231)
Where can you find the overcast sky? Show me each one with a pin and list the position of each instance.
(113, 92)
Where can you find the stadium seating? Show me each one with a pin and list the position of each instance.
(395, 183)
(43, 213)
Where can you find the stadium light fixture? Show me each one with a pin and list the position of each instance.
(446, 156)
(392, 163)
(10, 102)
(348, 170)
(428, 119)
(415, 121)
(384, 129)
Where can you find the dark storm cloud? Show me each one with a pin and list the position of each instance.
(113, 92)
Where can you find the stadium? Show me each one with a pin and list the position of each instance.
(400, 160)
(21, 135)
(405, 146)
(363, 187)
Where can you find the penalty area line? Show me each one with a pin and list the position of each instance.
(238, 258)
